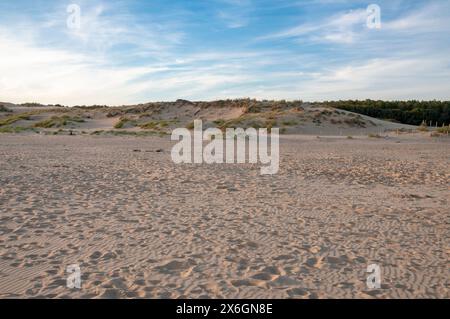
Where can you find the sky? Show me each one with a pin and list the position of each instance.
(127, 52)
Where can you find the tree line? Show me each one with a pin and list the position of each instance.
(406, 112)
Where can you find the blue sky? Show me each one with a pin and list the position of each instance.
(133, 51)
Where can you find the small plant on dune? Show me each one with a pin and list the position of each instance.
(350, 137)
(219, 122)
(121, 123)
(423, 127)
(334, 121)
(374, 135)
(289, 122)
(190, 126)
(149, 126)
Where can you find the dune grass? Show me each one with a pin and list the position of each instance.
(58, 121)
(123, 121)
(16, 129)
(158, 124)
(14, 118)
(423, 128)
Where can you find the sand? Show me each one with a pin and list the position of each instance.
(140, 226)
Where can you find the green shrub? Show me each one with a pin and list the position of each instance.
(423, 127)
(122, 122)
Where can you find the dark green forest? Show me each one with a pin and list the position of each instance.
(406, 112)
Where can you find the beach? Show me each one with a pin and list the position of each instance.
(140, 226)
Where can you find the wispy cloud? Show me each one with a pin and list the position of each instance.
(235, 13)
(338, 28)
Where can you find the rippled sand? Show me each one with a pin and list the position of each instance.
(140, 226)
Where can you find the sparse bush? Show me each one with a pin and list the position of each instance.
(219, 122)
(289, 122)
(124, 120)
(149, 126)
(423, 127)
(9, 129)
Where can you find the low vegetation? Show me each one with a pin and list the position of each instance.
(444, 130)
(59, 121)
(32, 104)
(124, 121)
(157, 124)
(14, 118)
(423, 127)
(16, 129)
(289, 123)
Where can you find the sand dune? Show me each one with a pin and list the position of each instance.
(161, 118)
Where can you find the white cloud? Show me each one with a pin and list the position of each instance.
(396, 78)
(338, 28)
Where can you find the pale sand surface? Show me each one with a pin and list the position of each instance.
(141, 226)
